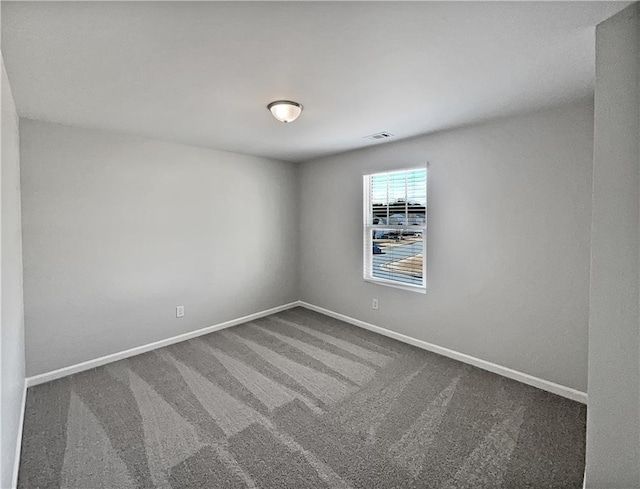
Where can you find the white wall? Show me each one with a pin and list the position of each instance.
(509, 213)
(119, 230)
(12, 364)
(613, 418)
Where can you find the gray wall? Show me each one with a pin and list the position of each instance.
(613, 421)
(118, 231)
(12, 322)
(509, 214)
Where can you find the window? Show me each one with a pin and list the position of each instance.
(395, 227)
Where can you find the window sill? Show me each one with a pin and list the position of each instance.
(386, 283)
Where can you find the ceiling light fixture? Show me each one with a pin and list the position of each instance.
(285, 110)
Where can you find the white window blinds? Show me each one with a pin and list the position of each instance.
(395, 212)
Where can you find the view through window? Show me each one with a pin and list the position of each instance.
(395, 226)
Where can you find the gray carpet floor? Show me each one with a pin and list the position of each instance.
(297, 400)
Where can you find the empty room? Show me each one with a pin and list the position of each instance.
(305, 244)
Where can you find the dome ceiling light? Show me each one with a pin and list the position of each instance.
(285, 110)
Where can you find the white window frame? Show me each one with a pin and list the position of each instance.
(369, 228)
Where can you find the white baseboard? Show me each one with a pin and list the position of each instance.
(16, 460)
(545, 385)
(79, 367)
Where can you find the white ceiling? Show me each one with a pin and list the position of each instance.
(202, 73)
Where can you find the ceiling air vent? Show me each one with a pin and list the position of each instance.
(379, 136)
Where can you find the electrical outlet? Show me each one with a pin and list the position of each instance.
(180, 311)
(374, 304)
